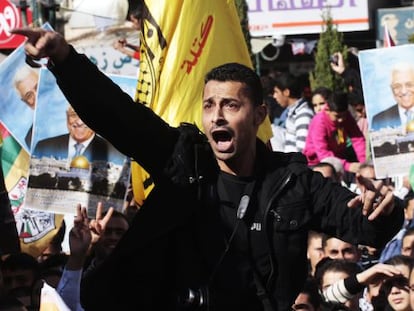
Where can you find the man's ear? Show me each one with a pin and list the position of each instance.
(260, 114)
(286, 92)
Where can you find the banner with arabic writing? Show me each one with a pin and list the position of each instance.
(182, 41)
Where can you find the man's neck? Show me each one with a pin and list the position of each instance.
(292, 101)
(243, 167)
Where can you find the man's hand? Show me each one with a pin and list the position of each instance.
(339, 67)
(377, 273)
(79, 239)
(84, 233)
(80, 235)
(98, 224)
(43, 43)
(376, 198)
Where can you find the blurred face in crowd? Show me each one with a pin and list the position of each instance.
(136, 22)
(360, 111)
(407, 245)
(397, 290)
(318, 102)
(114, 230)
(281, 96)
(315, 251)
(402, 86)
(338, 249)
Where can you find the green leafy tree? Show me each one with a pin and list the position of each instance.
(242, 11)
(330, 41)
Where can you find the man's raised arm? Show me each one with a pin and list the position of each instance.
(43, 43)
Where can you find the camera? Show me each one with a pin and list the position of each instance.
(193, 299)
(278, 40)
(333, 59)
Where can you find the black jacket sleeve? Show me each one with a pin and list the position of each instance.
(132, 128)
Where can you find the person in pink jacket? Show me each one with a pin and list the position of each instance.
(331, 130)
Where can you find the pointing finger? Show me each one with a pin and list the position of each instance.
(30, 33)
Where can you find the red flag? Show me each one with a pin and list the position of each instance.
(388, 41)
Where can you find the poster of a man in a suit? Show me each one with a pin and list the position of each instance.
(70, 163)
(18, 86)
(80, 140)
(388, 82)
(402, 87)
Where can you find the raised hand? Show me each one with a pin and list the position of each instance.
(376, 198)
(44, 43)
(79, 239)
(98, 224)
(84, 233)
(377, 273)
(338, 67)
(80, 236)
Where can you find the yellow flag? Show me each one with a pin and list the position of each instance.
(181, 41)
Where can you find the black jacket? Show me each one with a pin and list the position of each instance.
(176, 240)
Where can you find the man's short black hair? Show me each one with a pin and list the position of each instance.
(239, 73)
(287, 81)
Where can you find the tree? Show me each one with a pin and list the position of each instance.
(330, 41)
(242, 11)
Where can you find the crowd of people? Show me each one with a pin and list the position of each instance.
(231, 224)
(344, 275)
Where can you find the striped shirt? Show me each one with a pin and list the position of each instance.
(297, 122)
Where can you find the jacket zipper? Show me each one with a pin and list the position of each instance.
(285, 182)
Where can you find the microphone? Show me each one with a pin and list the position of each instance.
(244, 203)
(241, 211)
